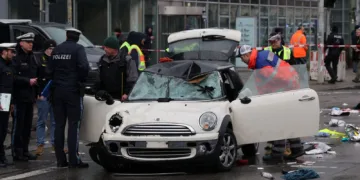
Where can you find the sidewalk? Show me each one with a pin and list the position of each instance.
(344, 85)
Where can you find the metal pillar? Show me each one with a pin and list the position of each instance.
(47, 12)
(357, 14)
(41, 10)
(69, 12)
(321, 30)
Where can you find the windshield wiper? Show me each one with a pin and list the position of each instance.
(165, 99)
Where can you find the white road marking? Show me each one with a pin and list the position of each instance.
(31, 173)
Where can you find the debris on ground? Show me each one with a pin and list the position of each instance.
(242, 162)
(336, 123)
(333, 133)
(267, 175)
(302, 174)
(352, 132)
(320, 148)
(335, 111)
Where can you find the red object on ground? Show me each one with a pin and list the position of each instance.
(242, 162)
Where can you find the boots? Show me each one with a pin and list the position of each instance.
(19, 155)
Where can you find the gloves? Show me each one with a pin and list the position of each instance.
(104, 96)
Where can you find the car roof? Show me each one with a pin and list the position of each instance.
(15, 21)
(50, 24)
(230, 34)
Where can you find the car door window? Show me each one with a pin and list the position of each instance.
(38, 40)
(274, 80)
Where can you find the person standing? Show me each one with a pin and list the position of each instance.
(43, 105)
(299, 39)
(68, 70)
(281, 51)
(118, 72)
(118, 34)
(333, 53)
(6, 86)
(356, 41)
(26, 70)
(279, 31)
(148, 44)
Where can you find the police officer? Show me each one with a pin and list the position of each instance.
(118, 72)
(26, 70)
(6, 86)
(68, 69)
(280, 50)
(333, 54)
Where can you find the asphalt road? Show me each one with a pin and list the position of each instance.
(342, 166)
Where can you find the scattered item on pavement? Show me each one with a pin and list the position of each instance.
(309, 163)
(336, 123)
(291, 163)
(301, 174)
(81, 153)
(267, 175)
(352, 132)
(335, 111)
(242, 162)
(331, 152)
(333, 133)
(345, 139)
(320, 148)
(345, 104)
(357, 107)
(288, 169)
(260, 168)
(322, 134)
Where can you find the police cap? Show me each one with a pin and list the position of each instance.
(73, 30)
(6, 46)
(26, 37)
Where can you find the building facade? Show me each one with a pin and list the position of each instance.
(98, 18)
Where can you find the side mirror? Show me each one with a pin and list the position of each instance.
(245, 93)
(245, 100)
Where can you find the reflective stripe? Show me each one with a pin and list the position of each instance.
(287, 52)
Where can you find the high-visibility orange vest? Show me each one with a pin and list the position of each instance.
(298, 38)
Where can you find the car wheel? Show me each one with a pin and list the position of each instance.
(227, 152)
(250, 150)
(94, 155)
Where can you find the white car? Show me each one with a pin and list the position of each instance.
(193, 110)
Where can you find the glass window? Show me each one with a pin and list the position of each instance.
(282, 12)
(264, 11)
(273, 2)
(151, 19)
(224, 9)
(224, 22)
(213, 15)
(298, 3)
(290, 2)
(235, 1)
(282, 23)
(264, 2)
(306, 3)
(254, 11)
(224, 1)
(245, 1)
(120, 19)
(254, 1)
(282, 2)
(313, 14)
(273, 16)
(315, 3)
(38, 40)
(153, 86)
(235, 12)
(298, 12)
(263, 32)
(290, 25)
(338, 4)
(245, 10)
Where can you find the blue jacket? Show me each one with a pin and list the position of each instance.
(266, 58)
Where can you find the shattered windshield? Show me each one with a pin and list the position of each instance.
(206, 48)
(151, 86)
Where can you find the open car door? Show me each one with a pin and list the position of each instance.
(270, 116)
(93, 119)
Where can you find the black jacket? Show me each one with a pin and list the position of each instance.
(6, 76)
(117, 74)
(334, 39)
(68, 67)
(42, 75)
(26, 67)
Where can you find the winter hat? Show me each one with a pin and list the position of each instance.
(112, 42)
(49, 44)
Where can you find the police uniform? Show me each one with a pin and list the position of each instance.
(26, 68)
(333, 53)
(68, 69)
(6, 86)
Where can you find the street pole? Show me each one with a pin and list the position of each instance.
(41, 10)
(69, 12)
(357, 14)
(321, 30)
(47, 11)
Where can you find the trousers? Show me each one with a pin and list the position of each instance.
(44, 109)
(331, 63)
(4, 123)
(67, 106)
(23, 117)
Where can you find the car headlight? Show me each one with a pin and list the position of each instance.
(93, 66)
(208, 121)
(115, 122)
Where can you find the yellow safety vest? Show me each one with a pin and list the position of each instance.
(287, 52)
(141, 56)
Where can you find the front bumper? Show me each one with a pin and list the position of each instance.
(130, 150)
